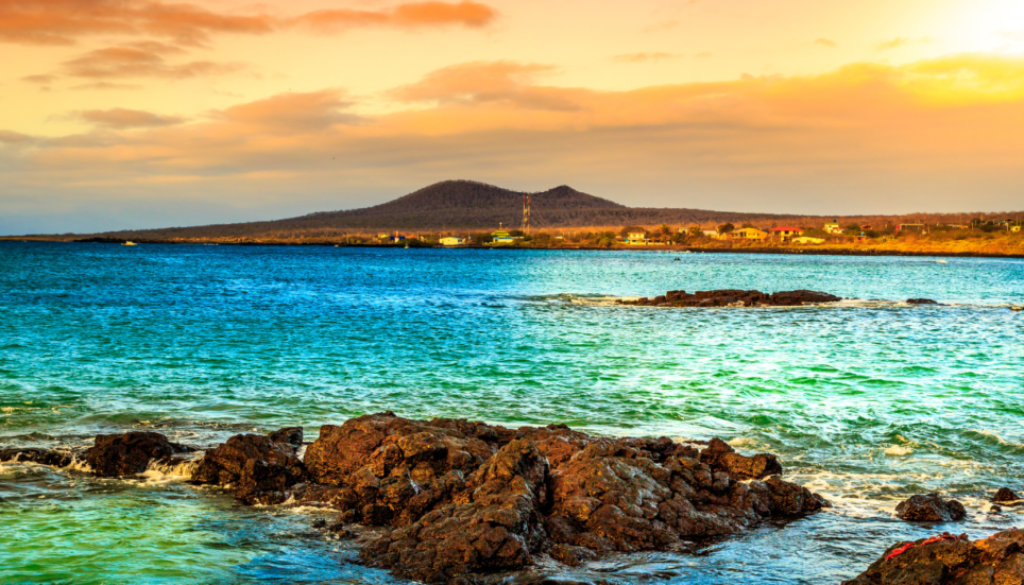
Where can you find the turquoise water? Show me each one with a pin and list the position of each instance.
(867, 402)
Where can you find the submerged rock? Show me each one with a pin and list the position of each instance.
(1005, 495)
(129, 453)
(735, 298)
(950, 560)
(50, 457)
(260, 468)
(930, 508)
(466, 498)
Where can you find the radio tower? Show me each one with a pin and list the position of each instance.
(526, 213)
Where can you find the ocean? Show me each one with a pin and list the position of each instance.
(867, 402)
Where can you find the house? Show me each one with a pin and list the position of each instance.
(808, 240)
(397, 238)
(911, 227)
(1015, 229)
(866, 228)
(833, 227)
(786, 233)
(502, 237)
(749, 234)
(383, 236)
(713, 234)
(452, 241)
(637, 239)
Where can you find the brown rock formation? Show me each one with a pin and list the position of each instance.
(735, 298)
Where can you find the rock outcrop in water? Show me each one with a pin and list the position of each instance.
(50, 457)
(930, 508)
(129, 453)
(260, 468)
(460, 501)
(466, 498)
(1003, 495)
(735, 298)
(950, 560)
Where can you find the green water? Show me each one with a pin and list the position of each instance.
(866, 402)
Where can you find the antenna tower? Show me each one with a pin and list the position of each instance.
(526, 213)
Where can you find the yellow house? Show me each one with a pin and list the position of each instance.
(452, 241)
(749, 234)
(833, 227)
(786, 233)
(503, 237)
(637, 239)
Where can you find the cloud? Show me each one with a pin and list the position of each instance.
(121, 119)
(106, 86)
(62, 22)
(413, 15)
(39, 79)
(865, 133)
(291, 113)
(9, 137)
(825, 43)
(487, 82)
(643, 57)
(893, 44)
(121, 62)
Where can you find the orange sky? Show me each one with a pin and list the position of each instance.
(137, 113)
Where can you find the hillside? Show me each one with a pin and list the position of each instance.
(455, 205)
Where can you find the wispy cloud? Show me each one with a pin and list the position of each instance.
(644, 57)
(62, 22)
(135, 62)
(122, 119)
(826, 43)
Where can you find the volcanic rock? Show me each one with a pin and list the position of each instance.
(260, 469)
(1003, 495)
(947, 560)
(50, 457)
(735, 298)
(930, 508)
(129, 453)
(466, 498)
(921, 302)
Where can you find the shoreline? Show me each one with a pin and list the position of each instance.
(676, 249)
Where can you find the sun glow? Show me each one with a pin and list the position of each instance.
(994, 26)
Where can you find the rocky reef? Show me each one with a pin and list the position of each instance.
(455, 501)
(950, 560)
(734, 298)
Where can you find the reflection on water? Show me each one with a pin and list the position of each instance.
(867, 402)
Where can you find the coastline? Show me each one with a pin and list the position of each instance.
(765, 250)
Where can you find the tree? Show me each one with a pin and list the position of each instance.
(542, 239)
(696, 231)
(853, 228)
(726, 228)
(665, 230)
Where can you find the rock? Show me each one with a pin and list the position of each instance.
(720, 456)
(291, 436)
(128, 453)
(51, 457)
(930, 508)
(995, 510)
(921, 302)
(260, 470)
(735, 298)
(492, 526)
(950, 560)
(549, 489)
(1005, 495)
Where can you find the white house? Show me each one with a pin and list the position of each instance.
(452, 241)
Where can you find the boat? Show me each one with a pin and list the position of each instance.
(129, 243)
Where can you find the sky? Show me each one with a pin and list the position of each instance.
(122, 114)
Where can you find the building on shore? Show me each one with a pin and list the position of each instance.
(786, 233)
(637, 238)
(919, 228)
(713, 234)
(501, 237)
(833, 227)
(750, 233)
(452, 241)
(807, 240)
